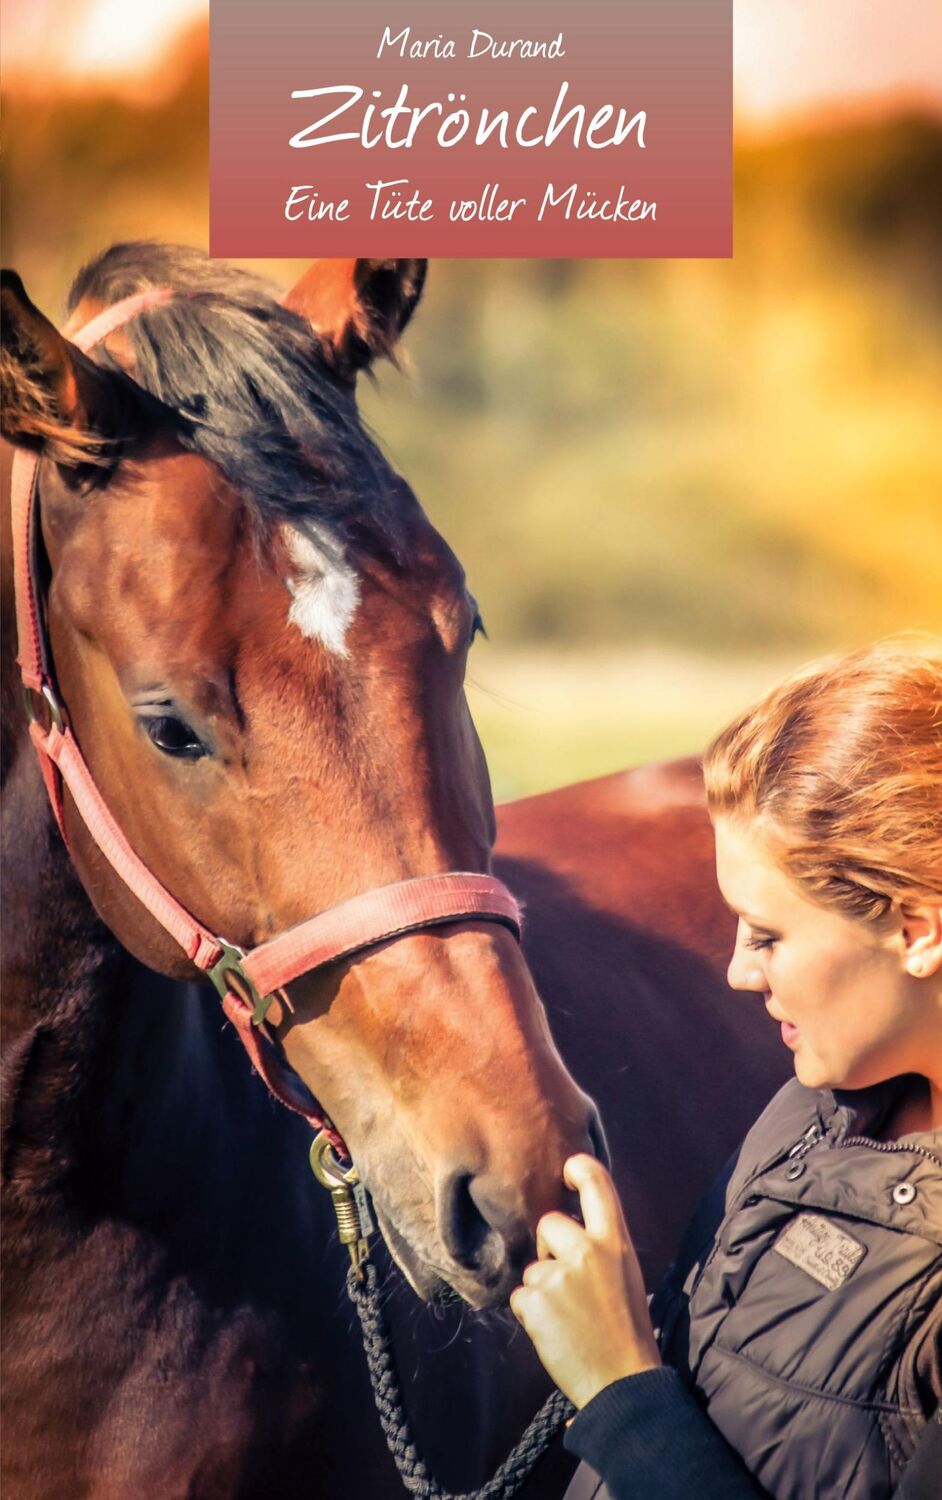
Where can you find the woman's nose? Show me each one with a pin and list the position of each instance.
(744, 972)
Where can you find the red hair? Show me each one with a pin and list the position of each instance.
(842, 765)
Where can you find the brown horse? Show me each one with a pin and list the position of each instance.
(261, 641)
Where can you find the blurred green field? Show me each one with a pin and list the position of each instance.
(666, 480)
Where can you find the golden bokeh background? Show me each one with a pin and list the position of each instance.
(668, 481)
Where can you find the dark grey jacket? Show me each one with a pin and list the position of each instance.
(805, 1306)
(805, 1318)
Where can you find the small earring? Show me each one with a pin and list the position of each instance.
(915, 967)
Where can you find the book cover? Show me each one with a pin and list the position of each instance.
(501, 398)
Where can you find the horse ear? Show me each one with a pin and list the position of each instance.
(54, 399)
(358, 308)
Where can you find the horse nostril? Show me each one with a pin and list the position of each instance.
(464, 1229)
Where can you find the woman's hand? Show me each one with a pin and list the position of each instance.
(583, 1301)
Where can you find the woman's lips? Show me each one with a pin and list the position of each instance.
(790, 1033)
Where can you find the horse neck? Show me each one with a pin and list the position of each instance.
(122, 1091)
(106, 1064)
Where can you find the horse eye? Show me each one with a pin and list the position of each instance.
(175, 737)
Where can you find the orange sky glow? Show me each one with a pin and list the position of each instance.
(792, 57)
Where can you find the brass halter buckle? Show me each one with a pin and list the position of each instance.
(348, 1195)
(229, 977)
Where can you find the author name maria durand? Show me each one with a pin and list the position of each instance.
(481, 44)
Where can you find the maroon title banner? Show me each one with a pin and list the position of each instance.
(563, 128)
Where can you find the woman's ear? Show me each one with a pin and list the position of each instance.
(55, 400)
(358, 308)
(921, 932)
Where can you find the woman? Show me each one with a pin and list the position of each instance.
(798, 1351)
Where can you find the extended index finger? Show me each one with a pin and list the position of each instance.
(601, 1208)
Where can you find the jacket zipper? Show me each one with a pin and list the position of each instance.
(865, 1140)
(805, 1143)
(811, 1137)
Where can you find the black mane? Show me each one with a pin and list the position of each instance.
(247, 380)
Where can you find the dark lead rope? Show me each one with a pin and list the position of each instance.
(413, 1470)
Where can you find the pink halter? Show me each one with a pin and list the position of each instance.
(247, 982)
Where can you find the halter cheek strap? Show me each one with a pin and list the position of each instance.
(247, 982)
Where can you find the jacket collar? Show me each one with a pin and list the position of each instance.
(850, 1112)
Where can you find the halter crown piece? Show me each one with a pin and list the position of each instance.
(247, 982)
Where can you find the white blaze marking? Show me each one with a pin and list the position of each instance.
(326, 592)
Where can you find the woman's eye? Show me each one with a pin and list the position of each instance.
(761, 942)
(175, 737)
(477, 627)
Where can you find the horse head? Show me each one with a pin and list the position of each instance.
(261, 641)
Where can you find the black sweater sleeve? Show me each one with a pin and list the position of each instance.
(649, 1439)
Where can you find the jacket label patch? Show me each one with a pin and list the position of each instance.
(818, 1246)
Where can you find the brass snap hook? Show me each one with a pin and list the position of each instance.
(348, 1195)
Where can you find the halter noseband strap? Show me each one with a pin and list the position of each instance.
(247, 982)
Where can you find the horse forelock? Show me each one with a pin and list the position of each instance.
(248, 383)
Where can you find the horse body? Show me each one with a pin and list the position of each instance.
(175, 1320)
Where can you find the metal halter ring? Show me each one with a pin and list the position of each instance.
(229, 977)
(43, 708)
(326, 1167)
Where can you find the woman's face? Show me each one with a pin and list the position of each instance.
(849, 1009)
